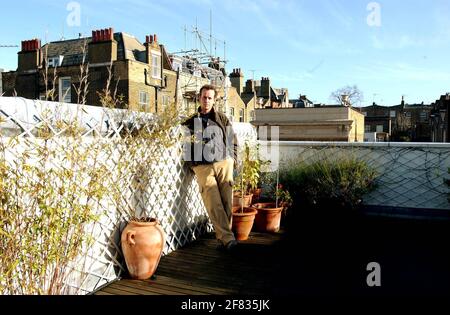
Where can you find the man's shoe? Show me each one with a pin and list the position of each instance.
(231, 245)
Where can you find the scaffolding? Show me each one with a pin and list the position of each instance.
(201, 63)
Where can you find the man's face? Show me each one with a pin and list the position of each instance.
(207, 100)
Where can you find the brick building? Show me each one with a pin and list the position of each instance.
(142, 74)
(440, 120)
(193, 75)
(321, 123)
(403, 122)
(257, 94)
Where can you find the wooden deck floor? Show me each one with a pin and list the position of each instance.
(319, 259)
(201, 269)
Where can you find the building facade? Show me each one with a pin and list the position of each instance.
(440, 121)
(140, 76)
(1, 82)
(403, 122)
(324, 123)
(257, 94)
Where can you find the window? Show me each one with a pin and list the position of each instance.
(392, 114)
(379, 128)
(143, 101)
(65, 90)
(165, 100)
(156, 65)
(408, 114)
(423, 116)
(367, 128)
(241, 115)
(177, 65)
(232, 111)
(42, 97)
(364, 113)
(55, 61)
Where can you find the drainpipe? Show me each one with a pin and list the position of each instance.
(156, 87)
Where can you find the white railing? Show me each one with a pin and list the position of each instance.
(411, 175)
(171, 194)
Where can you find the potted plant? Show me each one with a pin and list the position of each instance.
(249, 174)
(278, 199)
(247, 179)
(327, 192)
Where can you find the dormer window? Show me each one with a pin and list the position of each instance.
(55, 61)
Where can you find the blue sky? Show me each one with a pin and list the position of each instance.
(387, 48)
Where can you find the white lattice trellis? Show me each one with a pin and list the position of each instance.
(170, 192)
(410, 174)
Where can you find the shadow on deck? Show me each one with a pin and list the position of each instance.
(328, 259)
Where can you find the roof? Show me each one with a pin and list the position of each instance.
(72, 49)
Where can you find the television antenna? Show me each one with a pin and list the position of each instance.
(8, 46)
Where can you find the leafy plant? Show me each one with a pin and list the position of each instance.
(337, 183)
(283, 196)
(54, 186)
(248, 176)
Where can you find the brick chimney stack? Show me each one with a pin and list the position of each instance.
(30, 56)
(265, 87)
(103, 47)
(237, 80)
(151, 42)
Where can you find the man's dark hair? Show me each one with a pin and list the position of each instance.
(208, 87)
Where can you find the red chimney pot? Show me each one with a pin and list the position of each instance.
(155, 38)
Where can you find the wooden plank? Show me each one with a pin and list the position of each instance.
(115, 291)
(103, 293)
(132, 289)
(199, 268)
(190, 284)
(157, 287)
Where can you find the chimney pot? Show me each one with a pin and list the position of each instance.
(155, 38)
(111, 33)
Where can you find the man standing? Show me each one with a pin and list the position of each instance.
(213, 151)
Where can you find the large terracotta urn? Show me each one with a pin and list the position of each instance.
(142, 246)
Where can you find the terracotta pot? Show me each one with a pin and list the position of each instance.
(268, 218)
(237, 200)
(142, 245)
(256, 194)
(242, 223)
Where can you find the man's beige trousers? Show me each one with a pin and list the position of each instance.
(216, 186)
